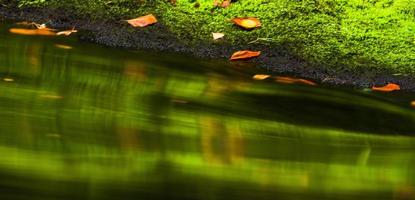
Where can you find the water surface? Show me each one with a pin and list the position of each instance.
(89, 122)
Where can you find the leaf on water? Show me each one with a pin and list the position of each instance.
(53, 135)
(290, 80)
(143, 21)
(51, 96)
(217, 36)
(62, 46)
(23, 31)
(24, 23)
(179, 101)
(247, 22)
(245, 54)
(261, 76)
(67, 32)
(387, 88)
(8, 79)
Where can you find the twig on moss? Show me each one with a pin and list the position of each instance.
(258, 40)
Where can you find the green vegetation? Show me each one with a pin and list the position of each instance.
(354, 34)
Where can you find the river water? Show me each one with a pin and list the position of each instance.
(79, 121)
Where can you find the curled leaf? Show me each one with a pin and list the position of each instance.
(22, 31)
(245, 54)
(143, 21)
(290, 80)
(387, 88)
(217, 36)
(39, 26)
(67, 32)
(261, 76)
(247, 22)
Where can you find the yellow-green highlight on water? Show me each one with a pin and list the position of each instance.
(98, 123)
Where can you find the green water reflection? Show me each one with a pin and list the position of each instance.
(99, 123)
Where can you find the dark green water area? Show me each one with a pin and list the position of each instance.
(90, 122)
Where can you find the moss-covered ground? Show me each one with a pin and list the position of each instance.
(353, 34)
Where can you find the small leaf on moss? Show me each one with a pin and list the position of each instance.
(217, 36)
(143, 21)
(247, 22)
(245, 54)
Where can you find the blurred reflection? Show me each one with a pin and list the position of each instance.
(98, 123)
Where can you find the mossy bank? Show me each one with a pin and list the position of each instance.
(353, 42)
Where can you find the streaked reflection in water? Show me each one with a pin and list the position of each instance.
(97, 123)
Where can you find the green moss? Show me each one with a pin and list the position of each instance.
(332, 33)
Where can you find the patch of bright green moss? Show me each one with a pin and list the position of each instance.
(376, 34)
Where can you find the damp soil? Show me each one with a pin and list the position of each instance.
(274, 59)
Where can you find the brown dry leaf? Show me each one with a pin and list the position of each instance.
(67, 32)
(247, 22)
(217, 36)
(261, 76)
(23, 31)
(226, 3)
(215, 3)
(62, 46)
(413, 104)
(222, 3)
(143, 21)
(387, 88)
(245, 54)
(290, 80)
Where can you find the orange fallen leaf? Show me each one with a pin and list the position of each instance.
(387, 88)
(261, 76)
(290, 80)
(22, 31)
(413, 104)
(67, 32)
(247, 22)
(143, 21)
(245, 54)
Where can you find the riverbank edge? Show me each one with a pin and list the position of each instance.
(276, 60)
